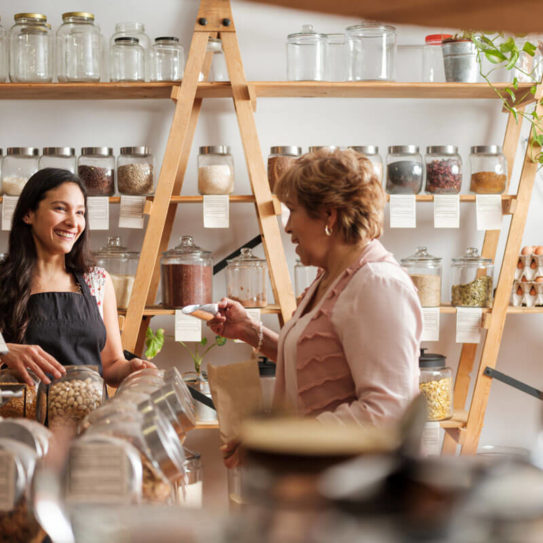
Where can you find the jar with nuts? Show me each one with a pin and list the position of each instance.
(436, 385)
(22, 400)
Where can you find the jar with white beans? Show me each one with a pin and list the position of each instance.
(215, 170)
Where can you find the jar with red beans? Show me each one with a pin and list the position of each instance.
(443, 169)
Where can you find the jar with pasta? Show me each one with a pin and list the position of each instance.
(425, 272)
(436, 385)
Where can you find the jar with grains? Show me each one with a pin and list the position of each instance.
(3, 54)
(425, 272)
(168, 59)
(488, 169)
(404, 170)
(306, 55)
(96, 168)
(471, 278)
(127, 60)
(135, 171)
(280, 159)
(19, 164)
(371, 152)
(17, 399)
(246, 279)
(187, 274)
(443, 169)
(215, 170)
(58, 157)
(435, 383)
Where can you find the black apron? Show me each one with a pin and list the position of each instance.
(67, 325)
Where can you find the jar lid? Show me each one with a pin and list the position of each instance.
(246, 258)
(114, 248)
(365, 149)
(80, 14)
(167, 38)
(422, 256)
(442, 149)
(186, 246)
(431, 360)
(330, 148)
(486, 149)
(59, 151)
(307, 33)
(472, 256)
(138, 150)
(215, 150)
(36, 16)
(336, 38)
(371, 29)
(23, 151)
(97, 151)
(291, 150)
(436, 39)
(407, 149)
(128, 40)
(266, 368)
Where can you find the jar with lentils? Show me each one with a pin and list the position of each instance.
(443, 169)
(435, 384)
(96, 168)
(135, 171)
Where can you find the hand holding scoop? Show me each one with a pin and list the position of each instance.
(205, 311)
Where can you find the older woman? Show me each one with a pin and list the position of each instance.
(350, 351)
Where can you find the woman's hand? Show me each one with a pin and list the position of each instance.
(232, 321)
(137, 364)
(231, 454)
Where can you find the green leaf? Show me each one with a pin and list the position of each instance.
(511, 94)
(508, 46)
(533, 89)
(515, 82)
(153, 342)
(495, 56)
(529, 48)
(203, 341)
(220, 341)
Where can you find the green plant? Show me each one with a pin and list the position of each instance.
(153, 342)
(197, 355)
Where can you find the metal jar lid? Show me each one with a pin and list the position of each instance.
(422, 256)
(431, 360)
(290, 150)
(472, 256)
(246, 258)
(215, 150)
(486, 150)
(66, 152)
(167, 39)
(330, 148)
(442, 150)
(138, 150)
(365, 149)
(127, 40)
(23, 151)
(97, 151)
(403, 149)
(79, 14)
(40, 17)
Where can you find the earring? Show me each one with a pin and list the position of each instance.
(328, 231)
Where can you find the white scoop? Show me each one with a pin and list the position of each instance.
(205, 311)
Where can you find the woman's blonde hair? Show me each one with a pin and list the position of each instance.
(341, 180)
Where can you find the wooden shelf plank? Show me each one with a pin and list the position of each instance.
(157, 310)
(448, 308)
(512, 310)
(458, 420)
(464, 198)
(195, 199)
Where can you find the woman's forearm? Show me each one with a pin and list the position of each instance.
(270, 338)
(116, 371)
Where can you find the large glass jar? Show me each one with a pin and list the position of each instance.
(435, 383)
(19, 164)
(246, 279)
(134, 30)
(79, 48)
(404, 170)
(306, 55)
(488, 169)
(280, 159)
(425, 272)
(96, 168)
(58, 157)
(135, 171)
(121, 264)
(371, 50)
(168, 59)
(30, 49)
(336, 59)
(3, 54)
(371, 152)
(187, 275)
(443, 169)
(22, 400)
(303, 277)
(432, 58)
(127, 60)
(471, 280)
(215, 170)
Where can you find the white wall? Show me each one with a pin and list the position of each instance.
(512, 417)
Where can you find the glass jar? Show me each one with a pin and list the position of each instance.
(471, 280)
(135, 171)
(336, 64)
(435, 383)
(17, 399)
(280, 159)
(432, 58)
(30, 49)
(404, 169)
(329, 148)
(303, 277)
(79, 48)
(187, 275)
(218, 70)
(192, 493)
(168, 59)
(96, 168)
(246, 279)
(306, 55)
(3, 54)
(127, 60)
(425, 272)
(371, 51)
(371, 152)
(58, 157)
(19, 164)
(488, 169)
(134, 30)
(121, 264)
(215, 170)
(443, 169)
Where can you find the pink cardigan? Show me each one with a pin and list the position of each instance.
(357, 359)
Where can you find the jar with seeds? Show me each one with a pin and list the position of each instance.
(135, 171)
(17, 399)
(96, 168)
(435, 384)
(471, 277)
(425, 272)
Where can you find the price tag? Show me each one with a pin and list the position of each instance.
(431, 439)
(468, 324)
(216, 211)
(7, 481)
(430, 324)
(187, 328)
(98, 211)
(489, 211)
(446, 211)
(403, 211)
(3, 347)
(131, 213)
(8, 207)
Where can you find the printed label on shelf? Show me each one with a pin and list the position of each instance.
(8, 207)
(446, 211)
(98, 211)
(489, 211)
(187, 328)
(131, 213)
(431, 439)
(430, 324)
(403, 211)
(3, 347)
(216, 211)
(468, 324)
(7, 481)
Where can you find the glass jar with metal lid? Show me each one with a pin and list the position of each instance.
(280, 159)
(127, 60)
(246, 279)
(425, 272)
(17, 398)
(135, 171)
(168, 59)
(471, 279)
(79, 48)
(19, 164)
(134, 30)
(30, 49)
(443, 169)
(58, 157)
(96, 168)
(187, 275)
(404, 170)
(330, 148)
(435, 384)
(488, 169)
(371, 152)
(3, 54)
(306, 55)
(215, 170)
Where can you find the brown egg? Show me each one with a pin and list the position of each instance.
(538, 250)
(519, 291)
(520, 265)
(533, 264)
(528, 250)
(532, 291)
(523, 279)
(539, 279)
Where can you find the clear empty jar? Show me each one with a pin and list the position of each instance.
(215, 170)
(443, 169)
(336, 59)
(135, 171)
(19, 164)
(280, 159)
(127, 60)
(168, 59)
(404, 170)
(471, 279)
(303, 277)
(436, 385)
(96, 168)
(432, 58)
(134, 30)
(246, 279)
(218, 70)
(3, 54)
(371, 50)
(488, 169)
(58, 157)
(425, 272)
(371, 152)
(306, 55)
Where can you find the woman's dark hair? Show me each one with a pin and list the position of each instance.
(16, 270)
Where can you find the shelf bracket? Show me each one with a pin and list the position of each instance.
(512, 382)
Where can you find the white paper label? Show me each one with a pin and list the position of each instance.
(8, 207)
(7, 481)
(403, 211)
(489, 211)
(446, 211)
(285, 214)
(98, 211)
(187, 328)
(216, 211)
(3, 347)
(430, 324)
(131, 213)
(468, 324)
(431, 439)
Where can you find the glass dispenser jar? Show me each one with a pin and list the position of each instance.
(3, 54)
(404, 170)
(336, 63)
(303, 277)
(168, 59)
(187, 275)
(443, 169)
(306, 55)
(371, 152)
(127, 59)
(280, 159)
(135, 171)
(435, 383)
(425, 272)
(488, 169)
(19, 164)
(471, 280)
(121, 264)
(96, 168)
(215, 170)
(58, 157)
(134, 30)
(246, 279)
(18, 399)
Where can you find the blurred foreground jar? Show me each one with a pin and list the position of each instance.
(19, 164)
(215, 170)
(96, 168)
(135, 171)
(127, 60)
(246, 279)
(58, 157)
(306, 55)
(168, 62)
(488, 169)
(425, 272)
(17, 399)
(443, 169)
(435, 383)
(471, 279)
(280, 159)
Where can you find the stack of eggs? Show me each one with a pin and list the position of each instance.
(528, 284)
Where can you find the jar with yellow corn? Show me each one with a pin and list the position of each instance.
(436, 385)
